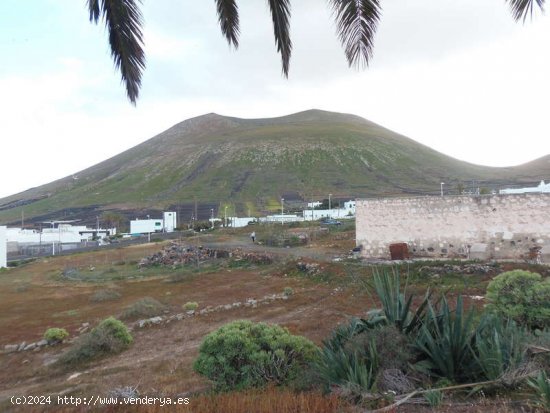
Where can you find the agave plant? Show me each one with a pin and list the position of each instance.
(541, 385)
(396, 304)
(499, 347)
(445, 340)
(345, 332)
(355, 371)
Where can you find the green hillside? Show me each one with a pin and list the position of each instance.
(253, 162)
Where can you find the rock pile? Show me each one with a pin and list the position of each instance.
(309, 268)
(37, 346)
(177, 253)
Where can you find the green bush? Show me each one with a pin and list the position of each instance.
(522, 296)
(109, 337)
(55, 335)
(288, 291)
(190, 305)
(144, 308)
(243, 354)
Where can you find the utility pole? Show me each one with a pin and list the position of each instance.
(282, 210)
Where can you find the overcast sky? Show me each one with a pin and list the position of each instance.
(459, 76)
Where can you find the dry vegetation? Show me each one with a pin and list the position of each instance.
(159, 362)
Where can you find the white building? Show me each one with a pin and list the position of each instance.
(281, 218)
(542, 188)
(350, 206)
(63, 233)
(3, 248)
(314, 204)
(336, 213)
(146, 226)
(170, 221)
(237, 222)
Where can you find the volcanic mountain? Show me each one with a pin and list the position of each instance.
(250, 164)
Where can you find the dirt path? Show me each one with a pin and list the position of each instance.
(244, 243)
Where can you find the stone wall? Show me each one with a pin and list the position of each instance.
(484, 227)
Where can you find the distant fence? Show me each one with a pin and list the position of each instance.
(24, 252)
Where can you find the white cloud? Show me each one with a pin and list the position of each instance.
(460, 77)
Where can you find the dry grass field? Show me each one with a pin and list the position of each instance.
(59, 291)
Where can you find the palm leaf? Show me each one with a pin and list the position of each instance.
(228, 16)
(356, 22)
(523, 8)
(123, 20)
(280, 14)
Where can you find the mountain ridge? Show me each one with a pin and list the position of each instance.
(251, 163)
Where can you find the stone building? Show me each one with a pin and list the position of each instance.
(483, 226)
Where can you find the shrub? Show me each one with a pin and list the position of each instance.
(243, 354)
(393, 347)
(55, 335)
(146, 307)
(190, 305)
(288, 291)
(522, 296)
(105, 295)
(109, 337)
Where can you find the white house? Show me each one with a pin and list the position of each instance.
(146, 226)
(3, 248)
(170, 221)
(350, 206)
(281, 218)
(239, 222)
(63, 233)
(314, 204)
(542, 188)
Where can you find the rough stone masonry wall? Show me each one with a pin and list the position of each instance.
(486, 226)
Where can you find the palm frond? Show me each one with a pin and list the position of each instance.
(228, 16)
(280, 14)
(523, 8)
(356, 23)
(123, 20)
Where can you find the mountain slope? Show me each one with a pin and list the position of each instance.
(254, 162)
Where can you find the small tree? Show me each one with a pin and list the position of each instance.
(113, 219)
